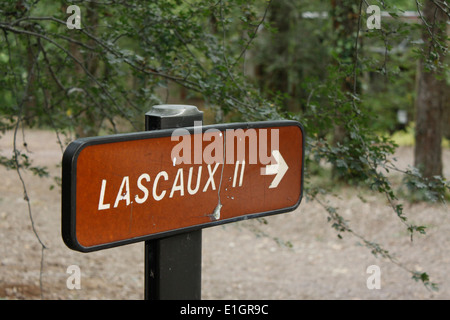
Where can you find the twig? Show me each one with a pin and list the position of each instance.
(376, 249)
(355, 66)
(92, 77)
(254, 33)
(17, 164)
(447, 12)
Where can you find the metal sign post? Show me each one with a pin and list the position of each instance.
(173, 265)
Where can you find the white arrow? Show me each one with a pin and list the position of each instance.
(279, 169)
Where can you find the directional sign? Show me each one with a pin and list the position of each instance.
(132, 187)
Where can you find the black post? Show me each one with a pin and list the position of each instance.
(173, 264)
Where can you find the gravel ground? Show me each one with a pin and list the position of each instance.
(242, 260)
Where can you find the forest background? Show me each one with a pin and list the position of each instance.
(358, 90)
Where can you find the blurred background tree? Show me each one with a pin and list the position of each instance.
(432, 90)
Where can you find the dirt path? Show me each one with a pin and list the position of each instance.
(239, 262)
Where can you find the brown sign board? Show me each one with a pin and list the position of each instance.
(126, 188)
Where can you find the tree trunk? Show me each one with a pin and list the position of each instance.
(446, 117)
(29, 106)
(90, 119)
(345, 22)
(430, 95)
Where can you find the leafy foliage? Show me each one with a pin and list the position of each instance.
(244, 59)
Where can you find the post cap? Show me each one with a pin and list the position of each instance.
(165, 116)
